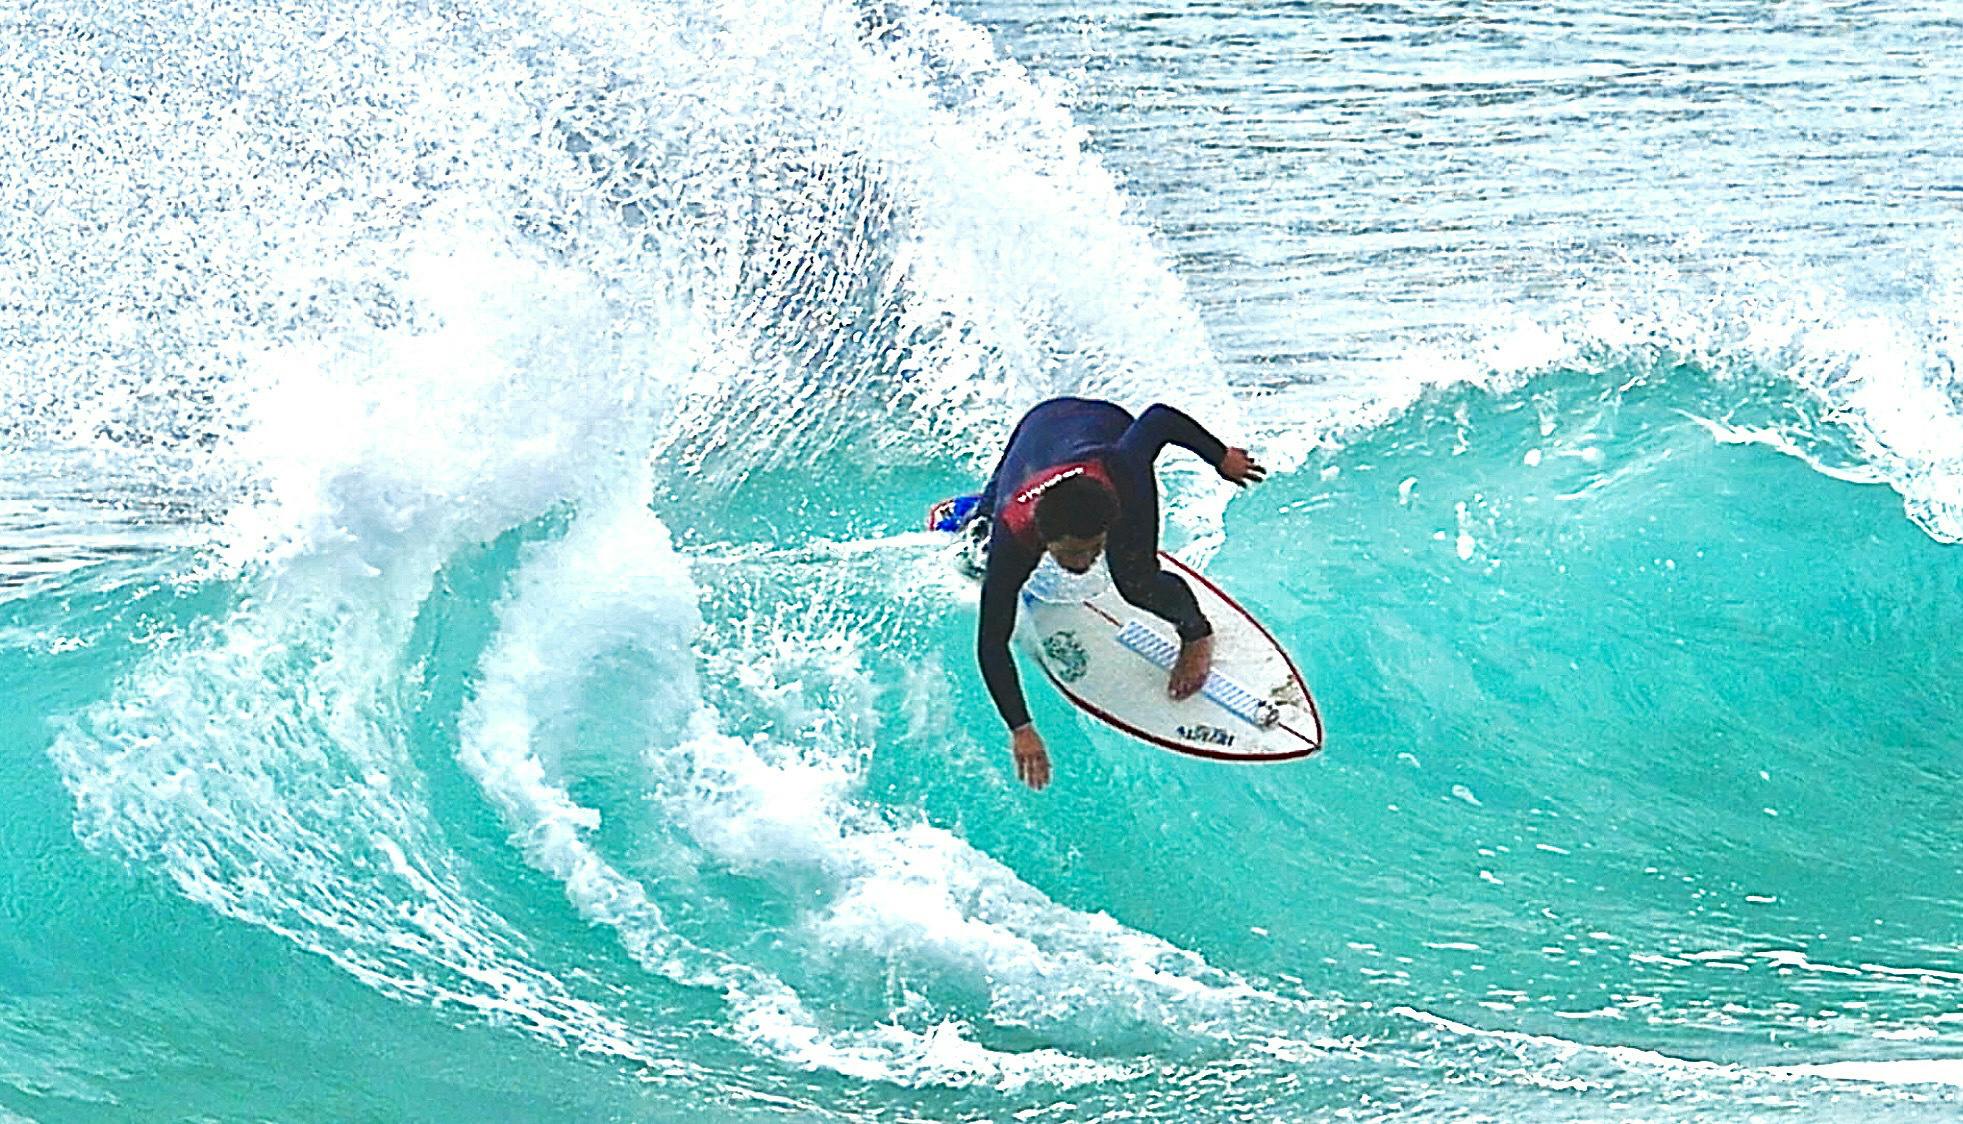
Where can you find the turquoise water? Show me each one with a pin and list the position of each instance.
(471, 655)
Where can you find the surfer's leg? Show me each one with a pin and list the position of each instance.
(1165, 595)
(1133, 553)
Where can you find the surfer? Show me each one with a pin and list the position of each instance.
(1076, 481)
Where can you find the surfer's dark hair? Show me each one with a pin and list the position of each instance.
(1079, 507)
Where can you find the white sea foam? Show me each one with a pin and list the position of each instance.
(262, 762)
(407, 283)
(906, 893)
(1536, 1047)
(439, 379)
(1900, 1071)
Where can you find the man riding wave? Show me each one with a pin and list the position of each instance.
(1076, 482)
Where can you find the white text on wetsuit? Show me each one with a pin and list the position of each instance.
(1028, 494)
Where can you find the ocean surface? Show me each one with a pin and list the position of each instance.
(468, 651)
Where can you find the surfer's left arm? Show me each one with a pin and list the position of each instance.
(1161, 425)
(1008, 567)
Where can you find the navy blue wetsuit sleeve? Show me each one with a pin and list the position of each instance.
(1161, 426)
(1009, 566)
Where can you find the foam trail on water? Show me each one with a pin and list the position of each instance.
(1898, 1071)
(613, 586)
(1576, 1060)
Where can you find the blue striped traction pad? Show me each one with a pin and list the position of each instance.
(1237, 700)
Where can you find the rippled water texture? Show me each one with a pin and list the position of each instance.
(470, 653)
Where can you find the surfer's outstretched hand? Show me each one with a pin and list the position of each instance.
(1032, 759)
(1190, 670)
(1240, 467)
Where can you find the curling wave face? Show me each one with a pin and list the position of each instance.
(464, 655)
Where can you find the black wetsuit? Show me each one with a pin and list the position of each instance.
(1064, 431)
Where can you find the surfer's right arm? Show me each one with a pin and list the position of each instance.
(1161, 425)
(1009, 566)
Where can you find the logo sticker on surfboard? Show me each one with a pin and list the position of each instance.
(1210, 735)
(1066, 656)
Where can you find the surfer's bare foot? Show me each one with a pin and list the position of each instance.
(1189, 672)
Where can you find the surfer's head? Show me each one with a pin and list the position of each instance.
(1072, 518)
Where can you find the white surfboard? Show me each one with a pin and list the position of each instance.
(1111, 660)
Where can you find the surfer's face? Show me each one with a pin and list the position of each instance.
(1077, 555)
